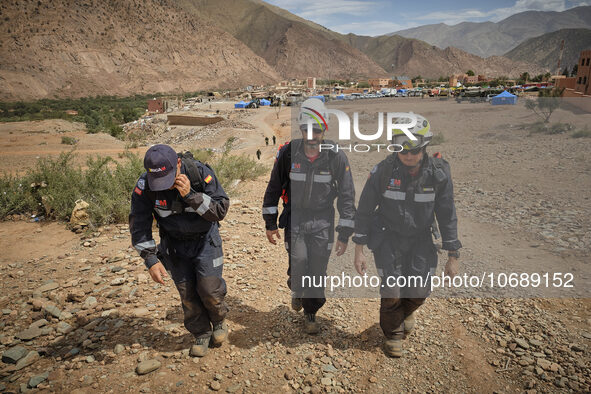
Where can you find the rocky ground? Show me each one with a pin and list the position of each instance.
(80, 313)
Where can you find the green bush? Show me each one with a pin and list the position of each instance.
(69, 140)
(232, 167)
(585, 133)
(52, 187)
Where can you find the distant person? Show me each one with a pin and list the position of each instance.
(267, 141)
(308, 181)
(400, 199)
(258, 154)
(187, 201)
(274, 140)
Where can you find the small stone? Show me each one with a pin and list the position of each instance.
(47, 287)
(147, 366)
(543, 363)
(37, 379)
(140, 312)
(118, 348)
(29, 359)
(215, 385)
(326, 381)
(522, 343)
(64, 328)
(373, 379)
(117, 281)
(90, 303)
(29, 333)
(328, 368)
(12, 355)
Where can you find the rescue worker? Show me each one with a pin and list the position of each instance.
(394, 219)
(274, 140)
(259, 154)
(187, 201)
(267, 141)
(308, 180)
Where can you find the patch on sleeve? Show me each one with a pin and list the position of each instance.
(347, 168)
(138, 191)
(141, 184)
(208, 179)
(374, 169)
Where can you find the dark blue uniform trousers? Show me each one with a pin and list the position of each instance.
(196, 267)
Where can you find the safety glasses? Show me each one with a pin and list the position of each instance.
(414, 151)
(315, 129)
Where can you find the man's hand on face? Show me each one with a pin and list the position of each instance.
(157, 272)
(271, 234)
(182, 184)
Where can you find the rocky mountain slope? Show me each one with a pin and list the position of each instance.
(296, 48)
(489, 38)
(545, 49)
(70, 48)
(403, 56)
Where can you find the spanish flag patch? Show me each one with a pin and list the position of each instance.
(208, 179)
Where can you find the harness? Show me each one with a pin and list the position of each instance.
(285, 162)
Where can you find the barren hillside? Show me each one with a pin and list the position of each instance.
(413, 57)
(71, 48)
(294, 47)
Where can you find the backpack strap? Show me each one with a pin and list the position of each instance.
(384, 172)
(193, 172)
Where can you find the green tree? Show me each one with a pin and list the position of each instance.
(546, 103)
(565, 72)
(470, 73)
(524, 78)
(575, 70)
(363, 85)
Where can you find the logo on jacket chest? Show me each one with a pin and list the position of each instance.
(394, 184)
(161, 204)
(296, 167)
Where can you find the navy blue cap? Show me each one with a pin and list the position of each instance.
(160, 162)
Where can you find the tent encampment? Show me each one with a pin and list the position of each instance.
(240, 104)
(340, 97)
(263, 102)
(504, 98)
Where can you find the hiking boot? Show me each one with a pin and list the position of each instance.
(296, 304)
(393, 347)
(199, 349)
(220, 333)
(311, 326)
(409, 323)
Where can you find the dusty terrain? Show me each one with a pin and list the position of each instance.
(86, 312)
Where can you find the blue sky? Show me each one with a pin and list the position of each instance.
(375, 17)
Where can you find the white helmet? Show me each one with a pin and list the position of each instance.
(313, 111)
(421, 130)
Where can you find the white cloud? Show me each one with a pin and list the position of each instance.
(313, 9)
(497, 14)
(371, 28)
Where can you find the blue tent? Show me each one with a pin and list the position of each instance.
(321, 98)
(504, 99)
(240, 104)
(264, 102)
(340, 97)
